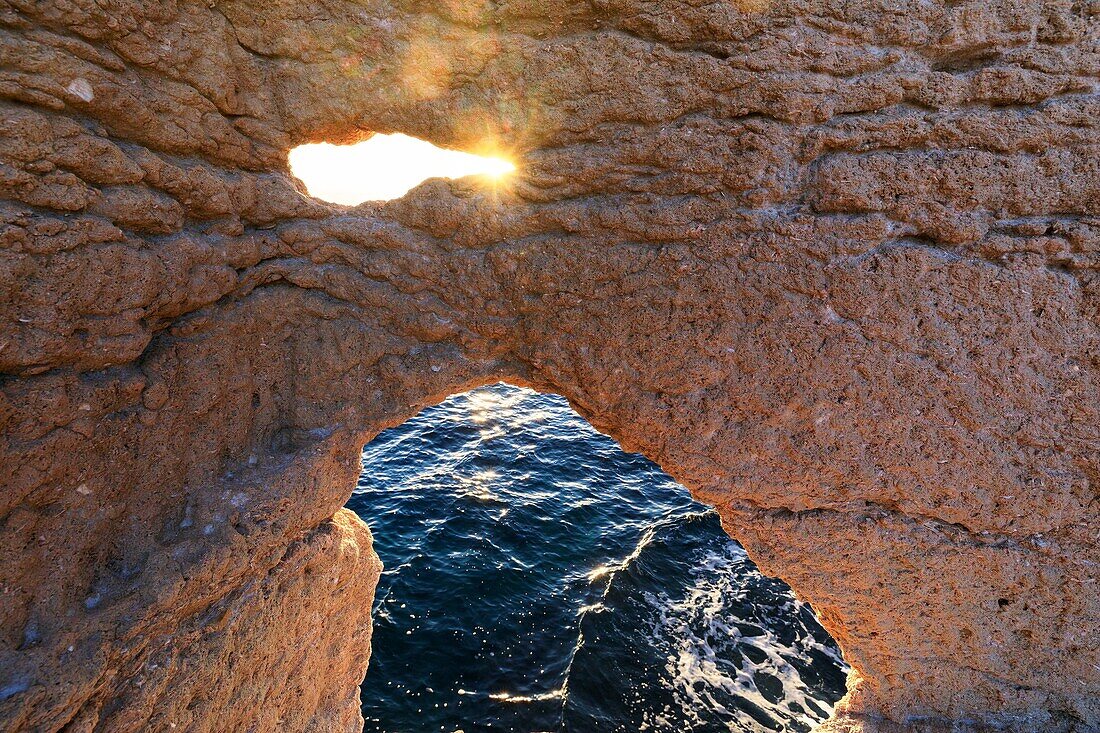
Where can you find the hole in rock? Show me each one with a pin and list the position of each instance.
(383, 167)
(539, 578)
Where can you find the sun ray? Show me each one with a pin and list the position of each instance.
(383, 167)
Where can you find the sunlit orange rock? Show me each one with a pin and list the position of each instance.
(833, 265)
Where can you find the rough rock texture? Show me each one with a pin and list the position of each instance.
(834, 265)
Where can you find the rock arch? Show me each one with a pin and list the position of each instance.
(832, 265)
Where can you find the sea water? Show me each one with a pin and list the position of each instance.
(539, 578)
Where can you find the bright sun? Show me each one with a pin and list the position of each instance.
(382, 168)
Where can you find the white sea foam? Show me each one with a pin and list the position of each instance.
(702, 632)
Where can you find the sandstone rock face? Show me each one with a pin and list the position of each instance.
(833, 265)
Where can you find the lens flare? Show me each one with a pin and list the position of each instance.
(382, 168)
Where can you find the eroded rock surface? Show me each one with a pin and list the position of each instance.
(833, 265)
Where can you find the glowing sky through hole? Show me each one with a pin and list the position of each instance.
(382, 168)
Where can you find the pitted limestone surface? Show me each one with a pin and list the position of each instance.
(833, 265)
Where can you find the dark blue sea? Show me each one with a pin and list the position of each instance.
(538, 578)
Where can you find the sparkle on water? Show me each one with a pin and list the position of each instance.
(539, 578)
(383, 167)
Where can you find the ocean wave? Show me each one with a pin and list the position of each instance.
(711, 658)
(538, 578)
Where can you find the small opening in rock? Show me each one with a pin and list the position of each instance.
(538, 577)
(383, 167)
